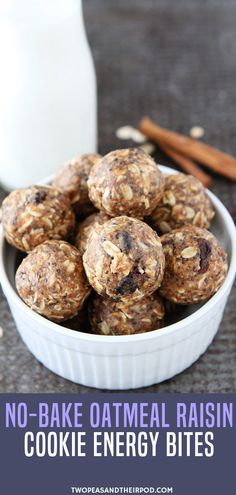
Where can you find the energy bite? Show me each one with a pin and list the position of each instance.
(33, 215)
(196, 265)
(52, 282)
(126, 182)
(87, 227)
(72, 179)
(124, 317)
(124, 260)
(184, 202)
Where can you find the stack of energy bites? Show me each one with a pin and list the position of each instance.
(145, 239)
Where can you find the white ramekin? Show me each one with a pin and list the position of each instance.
(122, 362)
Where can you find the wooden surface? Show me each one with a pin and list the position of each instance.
(174, 61)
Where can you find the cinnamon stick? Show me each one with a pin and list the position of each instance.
(216, 160)
(186, 164)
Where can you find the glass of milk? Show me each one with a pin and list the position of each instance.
(47, 89)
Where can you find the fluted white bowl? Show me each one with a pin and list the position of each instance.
(123, 362)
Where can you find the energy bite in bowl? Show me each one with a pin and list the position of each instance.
(126, 182)
(124, 317)
(72, 179)
(87, 227)
(125, 259)
(196, 265)
(33, 215)
(184, 202)
(52, 282)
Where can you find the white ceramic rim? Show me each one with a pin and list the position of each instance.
(170, 329)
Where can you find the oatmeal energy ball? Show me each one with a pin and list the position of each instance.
(196, 265)
(126, 182)
(33, 215)
(184, 202)
(72, 178)
(124, 260)
(87, 227)
(126, 318)
(51, 280)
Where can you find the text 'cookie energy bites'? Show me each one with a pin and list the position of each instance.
(196, 265)
(33, 215)
(72, 179)
(124, 317)
(52, 282)
(126, 182)
(184, 202)
(124, 260)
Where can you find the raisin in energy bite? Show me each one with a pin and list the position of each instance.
(33, 215)
(196, 265)
(52, 282)
(72, 179)
(124, 260)
(126, 182)
(124, 317)
(184, 202)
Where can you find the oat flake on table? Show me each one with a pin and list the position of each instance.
(148, 148)
(197, 132)
(128, 132)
